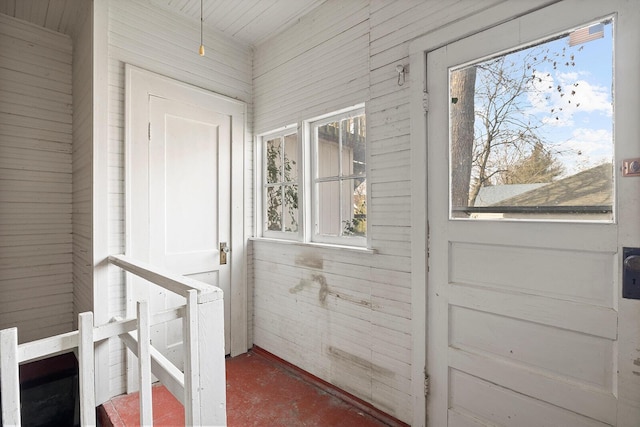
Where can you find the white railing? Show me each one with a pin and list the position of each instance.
(202, 386)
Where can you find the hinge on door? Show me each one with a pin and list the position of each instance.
(149, 131)
(427, 385)
(425, 100)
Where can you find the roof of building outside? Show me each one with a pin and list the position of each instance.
(493, 194)
(592, 187)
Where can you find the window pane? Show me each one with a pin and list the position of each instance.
(328, 196)
(291, 158)
(354, 209)
(328, 157)
(274, 161)
(291, 208)
(274, 208)
(353, 146)
(532, 131)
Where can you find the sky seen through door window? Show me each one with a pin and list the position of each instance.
(538, 115)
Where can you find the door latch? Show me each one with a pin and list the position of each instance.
(224, 250)
(631, 273)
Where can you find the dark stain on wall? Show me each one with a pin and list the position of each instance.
(310, 260)
(353, 300)
(303, 283)
(324, 288)
(324, 291)
(319, 279)
(343, 357)
(358, 366)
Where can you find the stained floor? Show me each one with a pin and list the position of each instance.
(260, 392)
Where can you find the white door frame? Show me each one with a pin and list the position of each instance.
(418, 50)
(139, 85)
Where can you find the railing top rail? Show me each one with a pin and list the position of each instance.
(175, 283)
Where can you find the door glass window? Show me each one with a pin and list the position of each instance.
(531, 130)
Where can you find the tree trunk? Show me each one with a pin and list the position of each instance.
(462, 86)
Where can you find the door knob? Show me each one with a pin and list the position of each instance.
(224, 250)
(632, 263)
(631, 273)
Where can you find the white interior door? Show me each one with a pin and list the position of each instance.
(526, 323)
(184, 179)
(189, 205)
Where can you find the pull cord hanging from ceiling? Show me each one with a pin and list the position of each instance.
(201, 51)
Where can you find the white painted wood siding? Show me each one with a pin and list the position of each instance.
(317, 66)
(343, 315)
(153, 39)
(60, 16)
(36, 290)
(83, 167)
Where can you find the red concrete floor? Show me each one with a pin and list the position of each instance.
(261, 391)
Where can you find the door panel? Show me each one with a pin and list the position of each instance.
(578, 276)
(187, 187)
(476, 402)
(189, 203)
(524, 315)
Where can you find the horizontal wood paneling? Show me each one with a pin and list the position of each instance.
(83, 166)
(156, 40)
(343, 317)
(304, 72)
(317, 66)
(36, 290)
(57, 15)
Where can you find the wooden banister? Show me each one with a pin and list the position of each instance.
(202, 387)
(173, 282)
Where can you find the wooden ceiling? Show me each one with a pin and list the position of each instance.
(57, 15)
(248, 21)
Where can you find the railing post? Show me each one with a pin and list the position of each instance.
(144, 364)
(203, 331)
(191, 362)
(213, 385)
(10, 377)
(86, 368)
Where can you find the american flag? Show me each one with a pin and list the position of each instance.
(586, 34)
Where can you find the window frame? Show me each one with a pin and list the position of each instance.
(313, 203)
(586, 213)
(307, 208)
(262, 184)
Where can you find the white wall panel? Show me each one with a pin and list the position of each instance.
(304, 72)
(317, 66)
(83, 166)
(36, 290)
(153, 39)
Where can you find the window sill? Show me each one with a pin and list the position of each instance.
(357, 249)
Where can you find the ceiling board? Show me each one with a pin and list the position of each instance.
(248, 21)
(60, 16)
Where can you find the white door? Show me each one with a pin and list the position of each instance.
(189, 205)
(526, 321)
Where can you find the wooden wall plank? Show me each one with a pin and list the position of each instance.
(35, 180)
(296, 78)
(82, 186)
(21, 30)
